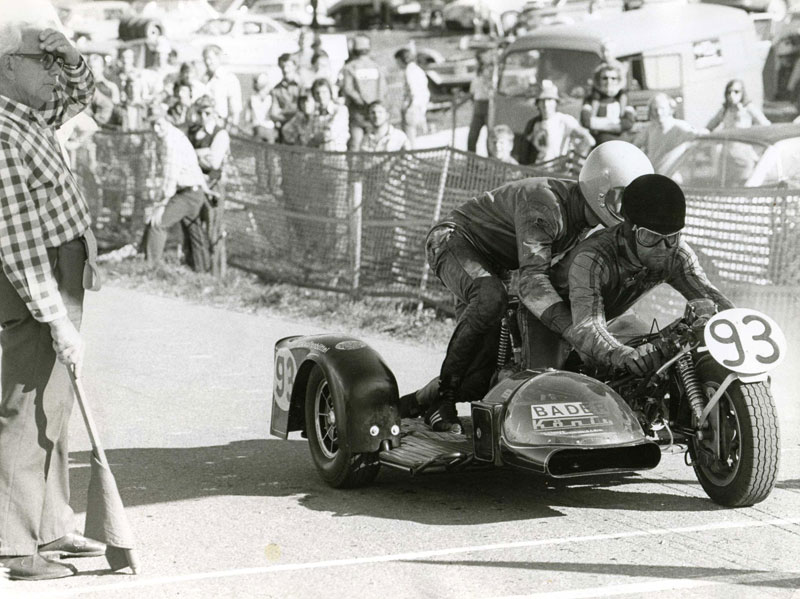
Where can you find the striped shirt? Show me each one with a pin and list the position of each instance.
(179, 163)
(603, 278)
(41, 205)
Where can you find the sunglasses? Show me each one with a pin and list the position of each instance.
(609, 78)
(46, 59)
(647, 238)
(734, 91)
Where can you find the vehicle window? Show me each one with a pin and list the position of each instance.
(114, 13)
(570, 70)
(739, 162)
(699, 166)
(216, 27)
(634, 72)
(251, 28)
(268, 9)
(662, 72)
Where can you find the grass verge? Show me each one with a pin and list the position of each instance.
(246, 292)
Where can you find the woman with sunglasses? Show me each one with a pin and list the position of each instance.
(605, 111)
(609, 271)
(737, 111)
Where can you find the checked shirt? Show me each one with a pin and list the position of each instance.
(41, 205)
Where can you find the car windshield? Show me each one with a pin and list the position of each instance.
(716, 163)
(521, 72)
(216, 27)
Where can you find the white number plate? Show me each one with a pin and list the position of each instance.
(745, 341)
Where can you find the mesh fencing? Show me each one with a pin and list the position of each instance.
(356, 222)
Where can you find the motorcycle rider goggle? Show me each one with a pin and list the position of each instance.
(647, 238)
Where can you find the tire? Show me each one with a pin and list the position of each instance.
(337, 466)
(750, 430)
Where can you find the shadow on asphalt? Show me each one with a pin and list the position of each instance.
(764, 578)
(275, 468)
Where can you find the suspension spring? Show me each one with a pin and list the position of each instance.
(691, 384)
(502, 348)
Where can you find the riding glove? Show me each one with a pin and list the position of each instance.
(639, 361)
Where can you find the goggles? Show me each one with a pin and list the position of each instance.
(647, 238)
(46, 59)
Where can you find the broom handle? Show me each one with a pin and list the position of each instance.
(87, 416)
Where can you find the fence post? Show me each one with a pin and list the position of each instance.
(356, 226)
(437, 213)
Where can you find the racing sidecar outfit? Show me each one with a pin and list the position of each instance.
(603, 277)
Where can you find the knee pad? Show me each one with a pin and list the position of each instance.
(490, 301)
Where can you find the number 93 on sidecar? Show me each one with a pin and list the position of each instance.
(710, 397)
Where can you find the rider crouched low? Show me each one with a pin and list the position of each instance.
(527, 225)
(608, 272)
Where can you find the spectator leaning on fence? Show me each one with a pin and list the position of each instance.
(285, 94)
(416, 95)
(256, 115)
(382, 136)
(299, 129)
(552, 134)
(222, 85)
(132, 90)
(182, 193)
(105, 102)
(47, 252)
(501, 142)
(605, 111)
(737, 111)
(663, 132)
(330, 121)
(363, 82)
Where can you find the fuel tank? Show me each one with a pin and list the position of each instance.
(563, 424)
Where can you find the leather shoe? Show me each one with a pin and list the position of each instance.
(73, 545)
(35, 567)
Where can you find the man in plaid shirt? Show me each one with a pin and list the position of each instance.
(46, 250)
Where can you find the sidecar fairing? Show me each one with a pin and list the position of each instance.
(552, 422)
(560, 424)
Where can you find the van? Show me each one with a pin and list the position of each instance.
(687, 51)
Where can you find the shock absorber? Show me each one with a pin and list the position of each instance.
(691, 384)
(502, 348)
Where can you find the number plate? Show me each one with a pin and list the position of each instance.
(745, 341)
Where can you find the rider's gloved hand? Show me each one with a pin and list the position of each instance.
(702, 309)
(639, 361)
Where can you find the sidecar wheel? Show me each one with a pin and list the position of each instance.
(335, 464)
(750, 441)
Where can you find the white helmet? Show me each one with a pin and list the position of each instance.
(608, 169)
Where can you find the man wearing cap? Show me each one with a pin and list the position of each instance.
(363, 82)
(526, 225)
(552, 134)
(609, 271)
(46, 254)
(182, 192)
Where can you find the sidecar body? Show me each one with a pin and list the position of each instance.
(340, 394)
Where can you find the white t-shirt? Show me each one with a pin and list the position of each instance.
(657, 143)
(416, 86)
(552, 137)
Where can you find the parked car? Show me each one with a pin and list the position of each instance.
(460, 15)
(363, 14)
(295, 12)
(764, 156)
(94, 20)
(180, 17)
(253, 43)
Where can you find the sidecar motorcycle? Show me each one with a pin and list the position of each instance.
(712, 396)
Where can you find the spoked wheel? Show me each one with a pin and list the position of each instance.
(744, 469)
(336, 465)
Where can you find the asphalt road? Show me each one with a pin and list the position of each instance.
(182, 396)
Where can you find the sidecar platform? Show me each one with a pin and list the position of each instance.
(424, 450)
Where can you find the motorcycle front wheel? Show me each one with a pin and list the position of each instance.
(336, 465)
(749, 440)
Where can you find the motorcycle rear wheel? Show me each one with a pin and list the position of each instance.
(337, 466)
(750, 438)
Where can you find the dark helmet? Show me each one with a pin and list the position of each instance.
(655, 202)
